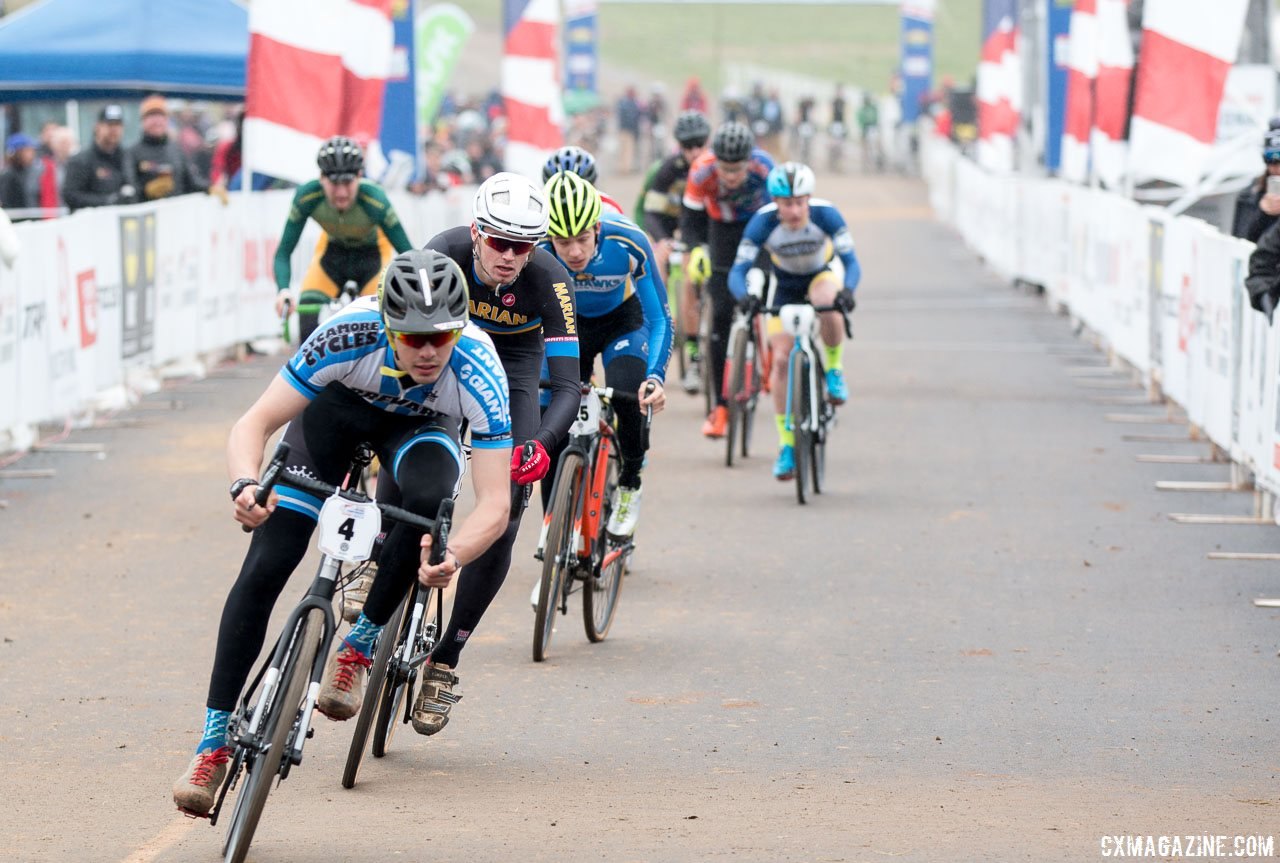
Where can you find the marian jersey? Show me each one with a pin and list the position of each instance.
(803, 251)
(351, 348)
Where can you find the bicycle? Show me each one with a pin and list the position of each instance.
(746, 375)
(310, 312)
(268, 732)
(575, 549)
(675, 294)
(809, 413)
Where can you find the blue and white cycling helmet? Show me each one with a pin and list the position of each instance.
(790, 180)
(572, 159)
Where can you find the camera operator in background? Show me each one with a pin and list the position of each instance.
(1258, 204)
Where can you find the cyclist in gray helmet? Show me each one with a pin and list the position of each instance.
(397, 371)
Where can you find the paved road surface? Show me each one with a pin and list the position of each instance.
(986, 642)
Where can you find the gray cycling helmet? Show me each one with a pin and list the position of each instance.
(573, 159)
(423, 291)
(340, 158)
(692, 129)
(733, 142)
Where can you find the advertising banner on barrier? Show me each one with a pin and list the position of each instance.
(138, 283)
(178, 249)
(1208, 336)
(10, 320)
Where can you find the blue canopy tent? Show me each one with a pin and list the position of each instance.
(94, 49)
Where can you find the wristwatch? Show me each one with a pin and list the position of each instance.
(241, 484)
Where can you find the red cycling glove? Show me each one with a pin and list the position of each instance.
(534, 469)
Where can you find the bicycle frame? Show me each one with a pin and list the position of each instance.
(800, 320)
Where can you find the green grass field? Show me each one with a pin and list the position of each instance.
(854, 44)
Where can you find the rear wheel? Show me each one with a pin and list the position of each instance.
(374, 694)
(675, 291)
(561, 550)
(754, 377)
(800, 410)
(600, 594)
(736, 368)
(282, 712)
(709, 386)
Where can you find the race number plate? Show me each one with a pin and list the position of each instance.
(348, 529)
(588, 421)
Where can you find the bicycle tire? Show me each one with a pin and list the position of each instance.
(559, 553)
(735, 373)
(818, 439)
(278, 723)
(393, 710)
(373, 693)
(600, 593)
(675, 289)
(755, 385)
(709, 388)
(799, 375)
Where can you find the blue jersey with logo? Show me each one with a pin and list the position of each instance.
(623, 268)
(352, 348)
(802, 252)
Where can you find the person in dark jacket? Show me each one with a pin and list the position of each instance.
(1256, 209)
(99, 175)
(1263, 281)
(162, 168)
(16, 179)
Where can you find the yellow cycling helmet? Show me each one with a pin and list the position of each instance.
(575, 204)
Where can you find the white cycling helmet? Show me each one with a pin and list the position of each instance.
(512, 206)
(790, 180)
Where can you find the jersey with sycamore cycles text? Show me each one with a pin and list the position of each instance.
(621, 271)
(352, 348)
(354, 228)
(803, 251)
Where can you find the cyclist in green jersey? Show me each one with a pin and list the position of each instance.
(361, 231)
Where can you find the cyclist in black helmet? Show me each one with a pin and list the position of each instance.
(397, 371)
(726, 187)
(361, 231)
(657, 210)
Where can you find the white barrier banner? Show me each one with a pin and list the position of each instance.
(1206, 328)
(10, 332)
(180, 243)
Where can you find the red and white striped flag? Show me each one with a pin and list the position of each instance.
(531, 84)
(1082, 71)
(999, 85)
(1187, 51)
(316, 68)
(1111, 92)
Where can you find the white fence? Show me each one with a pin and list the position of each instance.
(100, 303)
(1165, 294)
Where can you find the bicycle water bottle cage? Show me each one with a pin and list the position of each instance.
(797, 318)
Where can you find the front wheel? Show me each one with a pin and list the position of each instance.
(736, 374)
(600, 594)
(818, 439)
(800, 419)
(710, 386)
(388, 640)
(561, 552)
(281, 715)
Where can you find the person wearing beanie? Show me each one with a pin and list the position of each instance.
(15, 181)
(162, 169)
(1258, 207)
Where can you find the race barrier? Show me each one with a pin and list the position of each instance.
(100, 305)
(1163, 294)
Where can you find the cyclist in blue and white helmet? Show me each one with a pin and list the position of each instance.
(801, 234)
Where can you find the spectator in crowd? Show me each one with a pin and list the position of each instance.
(431, 177)
(1263, 281)
(1256, 207)
(484, 164)
(100, 174)
(772, 123)
(162, 169)
(48, 172)
(655, 118)
(693, 99)
(628, 115)
(15, 180)
(224, 168)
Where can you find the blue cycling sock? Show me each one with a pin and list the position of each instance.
(215, 730)
(363, 635)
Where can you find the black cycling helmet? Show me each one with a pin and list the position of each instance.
(733, 142)
(423, 291)
(340, 158)
(692, 129)
(573, 159)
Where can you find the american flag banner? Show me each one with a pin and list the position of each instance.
(1187, 51)
(1082, 71)
(999, 85)
(1111, 92)
(316, 68)
(531, 84)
